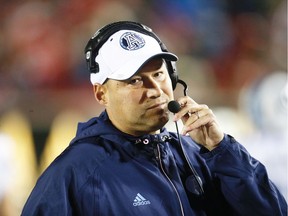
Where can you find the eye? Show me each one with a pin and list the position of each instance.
(135, 81)
(159, 75)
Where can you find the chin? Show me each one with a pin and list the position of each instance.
(161, 122)
(157, 120)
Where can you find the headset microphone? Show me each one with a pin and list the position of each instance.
(174, 106)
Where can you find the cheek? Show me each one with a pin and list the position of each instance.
(168, 90)
(124, 101)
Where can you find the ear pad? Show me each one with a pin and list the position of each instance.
(172, 73)
(102, 35)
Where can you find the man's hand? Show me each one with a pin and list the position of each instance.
(199, 122)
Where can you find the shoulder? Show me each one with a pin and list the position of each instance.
(65, 176)
(81, 155)
(77, 162)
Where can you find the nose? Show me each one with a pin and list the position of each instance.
(154, 89)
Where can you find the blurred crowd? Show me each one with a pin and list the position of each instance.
(233, 55)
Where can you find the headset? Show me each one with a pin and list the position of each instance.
(103, 34)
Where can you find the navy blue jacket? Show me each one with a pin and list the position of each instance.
(104, 172)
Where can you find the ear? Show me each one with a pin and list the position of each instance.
(100, 93)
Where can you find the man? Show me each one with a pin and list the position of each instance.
(125, 162)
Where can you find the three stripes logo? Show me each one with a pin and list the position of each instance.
(140, 200)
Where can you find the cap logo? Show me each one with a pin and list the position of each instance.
(131, 41)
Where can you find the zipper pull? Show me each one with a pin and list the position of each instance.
(156, 151)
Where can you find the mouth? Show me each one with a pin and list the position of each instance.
(161, 105)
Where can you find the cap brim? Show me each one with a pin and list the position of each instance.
(129, 69)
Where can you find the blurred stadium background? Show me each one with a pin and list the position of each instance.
(233, 55)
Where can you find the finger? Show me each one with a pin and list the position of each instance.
(184, 101)
(192, 118)
(189, 109)
(197, 121)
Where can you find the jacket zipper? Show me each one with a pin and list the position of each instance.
(158, 158)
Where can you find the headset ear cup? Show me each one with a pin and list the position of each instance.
(172, 70)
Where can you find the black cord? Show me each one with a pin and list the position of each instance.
(194, 172)
(184, 85)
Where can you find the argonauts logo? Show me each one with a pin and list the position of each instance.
(131, 41)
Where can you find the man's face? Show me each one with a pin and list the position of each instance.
(138, 106)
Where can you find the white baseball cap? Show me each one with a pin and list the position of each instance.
(123, 54)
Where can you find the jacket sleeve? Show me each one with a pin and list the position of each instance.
(53, 194)
(243, 180)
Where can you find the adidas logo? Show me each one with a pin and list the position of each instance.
(140, 200)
